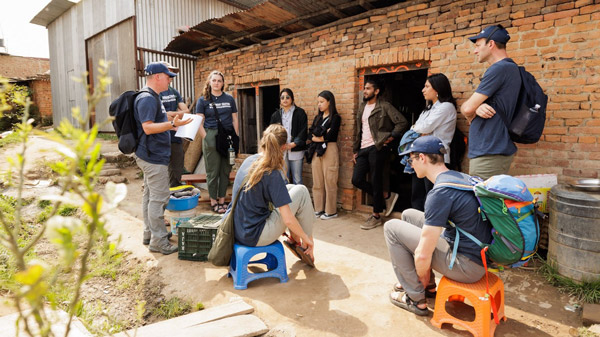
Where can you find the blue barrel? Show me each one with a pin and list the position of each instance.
(574, 233)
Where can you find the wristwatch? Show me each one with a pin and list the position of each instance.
(173, 123)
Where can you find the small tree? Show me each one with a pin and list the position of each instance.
(33, 281)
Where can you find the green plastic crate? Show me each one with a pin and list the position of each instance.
(196, 237)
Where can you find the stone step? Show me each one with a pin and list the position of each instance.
(110, 172)
(119, 159)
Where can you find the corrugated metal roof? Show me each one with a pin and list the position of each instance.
(267, 20)
(53, 10)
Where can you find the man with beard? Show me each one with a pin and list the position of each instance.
(378, 123)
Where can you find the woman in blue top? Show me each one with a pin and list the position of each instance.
(267, 205)
(214, 101)
(439, 120)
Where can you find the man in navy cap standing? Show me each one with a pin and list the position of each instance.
(492, 106)
(153, 154)
(423, 241)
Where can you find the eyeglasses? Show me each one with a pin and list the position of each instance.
(285, 97)
(410, 160)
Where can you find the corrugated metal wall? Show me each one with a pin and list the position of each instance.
(156, 23)
(157, 20)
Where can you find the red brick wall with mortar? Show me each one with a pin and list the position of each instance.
(557, 41)
(42, 95)
(22, 67)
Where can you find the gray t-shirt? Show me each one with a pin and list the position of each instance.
(501, 83)
(252, 208)
(460, 207)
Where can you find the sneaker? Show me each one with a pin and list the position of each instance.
(372, 222)
(326, 216)
(390, 202)
(318, 214)
(165, 249)
(146, 242)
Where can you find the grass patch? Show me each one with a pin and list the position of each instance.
(172, 308)
(588, 292)
(64, 210)
(108, 136)
(12, 138)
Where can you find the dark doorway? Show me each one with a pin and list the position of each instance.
(247, 111)
(270, 103)
(255, 114)
(403, 90)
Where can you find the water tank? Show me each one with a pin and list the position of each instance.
(574, 233)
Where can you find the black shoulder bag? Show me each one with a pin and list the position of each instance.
(225, 137)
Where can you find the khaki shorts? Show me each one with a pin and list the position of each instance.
(490, 165)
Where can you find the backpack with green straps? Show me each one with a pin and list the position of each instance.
(508, 205)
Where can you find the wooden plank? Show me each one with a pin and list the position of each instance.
(59, 317)
(182, 325)
(237, 326)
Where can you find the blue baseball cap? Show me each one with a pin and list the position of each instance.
(495, 32)
(426, 144)
(157, 68)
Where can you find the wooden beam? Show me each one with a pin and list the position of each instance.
(366, 5)
(334, 11)
(222, 39)
(235, 4)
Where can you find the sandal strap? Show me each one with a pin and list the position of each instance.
(410, 301)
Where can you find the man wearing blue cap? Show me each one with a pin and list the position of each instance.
(492, 106)
(423, 241)
(153, 154)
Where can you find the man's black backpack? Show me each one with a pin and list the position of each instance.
(124, 121)
(528, 120)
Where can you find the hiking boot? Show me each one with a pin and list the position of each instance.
(318, 214)
(165, 249)
(146, 242)
(372, 222)
(326, 216)
(390, 202)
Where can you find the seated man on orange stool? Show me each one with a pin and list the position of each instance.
(421, 241)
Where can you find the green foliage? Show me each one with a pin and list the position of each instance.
(108, 136)
(15, 97)
(172, 308)
(588, 292)
(9, 139)
(72, 220)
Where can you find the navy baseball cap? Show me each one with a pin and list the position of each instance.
(495, 32)
(426, 144)
(157, 68)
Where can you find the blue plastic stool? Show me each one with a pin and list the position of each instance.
(240, 259)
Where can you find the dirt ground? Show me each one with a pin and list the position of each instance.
(345, 295)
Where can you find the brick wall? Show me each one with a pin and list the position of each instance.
(19, 67)
(42, 95)
(557, 40)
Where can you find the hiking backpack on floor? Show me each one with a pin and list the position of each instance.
(529, 118)
(508, 205)
(124, 123)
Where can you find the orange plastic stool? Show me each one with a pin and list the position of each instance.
(484, 324)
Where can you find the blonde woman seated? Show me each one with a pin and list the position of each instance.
(267, 205)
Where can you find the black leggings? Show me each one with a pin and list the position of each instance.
(369, 160)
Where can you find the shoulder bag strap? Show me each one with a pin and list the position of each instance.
(212, 103)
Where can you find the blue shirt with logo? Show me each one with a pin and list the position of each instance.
(170, 99)
(489, 136)
(225, 106)
(252, 209)
(154, 148)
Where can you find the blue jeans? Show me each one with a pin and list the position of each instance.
(294, 171)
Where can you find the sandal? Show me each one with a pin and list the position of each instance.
(428, 290)
(292, 247)
(221, 209)
(215, 208)
(406, 303)
(304, 257)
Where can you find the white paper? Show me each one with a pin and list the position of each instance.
(189, 131)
